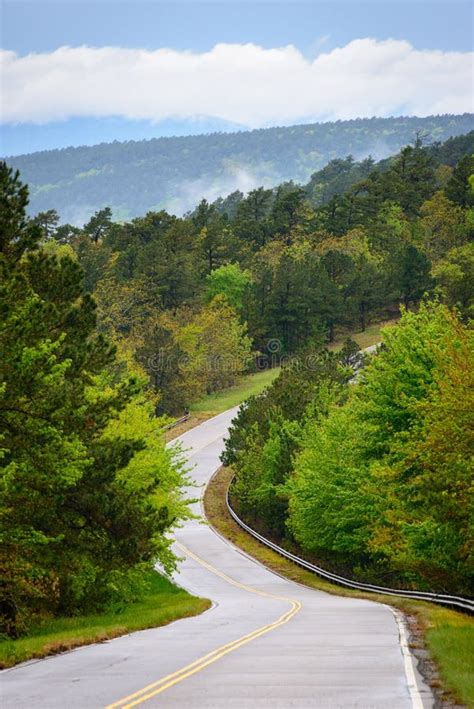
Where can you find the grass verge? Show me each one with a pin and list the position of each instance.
(370, 336)
(247, 386)
(163, 603)
(446, 634)
(252, 384)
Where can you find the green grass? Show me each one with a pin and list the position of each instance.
(248, 385)
(161, 604)
(448, 635)
(252, 384)
(451, 644)
(370, 336)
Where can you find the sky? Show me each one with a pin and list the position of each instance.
(78, 72)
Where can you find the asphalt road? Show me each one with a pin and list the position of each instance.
(266, 642)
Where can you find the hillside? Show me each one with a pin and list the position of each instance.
(134, 177)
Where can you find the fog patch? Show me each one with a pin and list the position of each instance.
(232, 177)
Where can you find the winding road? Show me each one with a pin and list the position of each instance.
(266, 643)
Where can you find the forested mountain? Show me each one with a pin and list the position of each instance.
(174, 173)
(193, 299)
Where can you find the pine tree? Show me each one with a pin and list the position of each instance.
(72, 530)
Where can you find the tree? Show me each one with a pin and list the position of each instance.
(337, 177)
(285, 209)
(301, 300)
(418, 400)
(229, 205)
(94, 257)
(443, 224)
(382, 485)
(251, 218)
(48, 222)
(65, 233)
(411, 180)
(166, 363)
(123, 309)
(263, 466)
(436, 540)
(215, 240)
(330, 508)
(189, 354)
(267, 433)
(412, 274)
(231, 282)
(87, 489)
(458, 188)
(214, 243)
(455, 277)
(203, 214)
(99, 224)
(169, 261)
(225, 345)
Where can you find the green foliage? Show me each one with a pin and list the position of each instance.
(48, 222)
(261, 468)
(192, 354)
(455, 276)
(88, 490)
(99, 224)
(266, 433)
(330, 511)
(231, 282)
(445, 225)
(374, 479)
(458, 188)
(296, 264)
(383, 484)
(136, 177)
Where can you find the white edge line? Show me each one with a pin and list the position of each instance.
(408, 661)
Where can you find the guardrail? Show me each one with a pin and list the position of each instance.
(465, 605)
(175, 423)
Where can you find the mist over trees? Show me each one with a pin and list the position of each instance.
(175, 173)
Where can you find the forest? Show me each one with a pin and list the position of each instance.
(371, 480)
(109, 329)
(245, 281)
(135, 177)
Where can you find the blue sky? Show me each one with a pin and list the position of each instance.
(312, 28)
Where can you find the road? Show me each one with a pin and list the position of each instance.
(266, 642)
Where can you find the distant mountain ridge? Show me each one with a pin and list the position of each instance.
(175, 173)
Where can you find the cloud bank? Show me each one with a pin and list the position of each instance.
(240, 83)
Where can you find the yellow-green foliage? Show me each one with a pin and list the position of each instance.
(385, 481)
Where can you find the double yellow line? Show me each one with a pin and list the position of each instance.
(151, 690)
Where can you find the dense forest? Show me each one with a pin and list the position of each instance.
(174, 173)
(108, 327)
(372, 479)
(249, 279)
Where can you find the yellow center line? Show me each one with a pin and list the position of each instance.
(151, 690)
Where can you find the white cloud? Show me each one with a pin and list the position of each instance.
(241, 83)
